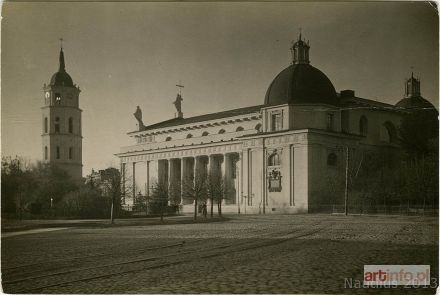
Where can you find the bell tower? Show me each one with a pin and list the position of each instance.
(61, 122)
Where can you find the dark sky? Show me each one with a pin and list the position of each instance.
(226, 54)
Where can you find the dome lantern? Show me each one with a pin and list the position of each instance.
(412, 87)
(300, 51)
(413, 99)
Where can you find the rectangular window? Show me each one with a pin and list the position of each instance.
(58, 152)
(277, 123)
(330, 119)
(57, 125)
(70, 153)
(70, 125)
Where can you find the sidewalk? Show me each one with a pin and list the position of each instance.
(17, 225)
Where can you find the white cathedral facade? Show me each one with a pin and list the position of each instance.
(275, 157)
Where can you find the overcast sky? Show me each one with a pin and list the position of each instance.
(128, 54)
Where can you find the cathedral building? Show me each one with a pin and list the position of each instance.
(61, 122)
(273, 157)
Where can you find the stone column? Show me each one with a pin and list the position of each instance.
(134, 183)
(174, 168)
(123, 182)
(168, 185)
(162, 177)
(169, 175)
(147, 191)
(196, 164)
(233, 183)
(245, 176)
(182, 178)
(225, 171)
(210, 166)
(238, 179)
(186, 173)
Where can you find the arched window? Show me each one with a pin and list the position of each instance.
(58, 152)
(274, 160)
(168, 138)
(363, 126)
(70, 125)
(57, 98)
(239, 128)
(221, 131)
(332, 159)
(388, 132)
(70, 153)
(258, 127)
(57, 124)
(46, 125)
(46, 153)
(205, 133)
(189, 135)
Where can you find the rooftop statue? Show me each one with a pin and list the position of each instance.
(138, 115)
(178, 104)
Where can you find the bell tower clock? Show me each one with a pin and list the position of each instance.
(61, 118)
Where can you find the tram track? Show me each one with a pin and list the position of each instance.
(154, 262)
(8, 271)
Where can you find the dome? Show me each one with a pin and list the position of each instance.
(61, 79)
(414, 102)
(301, 83)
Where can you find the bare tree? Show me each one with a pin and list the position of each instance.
(215, 187)
(196, 188)
(160, 197)
(115, 187)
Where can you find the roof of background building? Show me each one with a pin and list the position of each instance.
(355, 101)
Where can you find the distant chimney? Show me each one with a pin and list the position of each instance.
(347, 93)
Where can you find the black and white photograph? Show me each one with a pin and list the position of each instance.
(219, 147)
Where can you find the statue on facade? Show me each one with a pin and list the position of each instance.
(138, 115)
(178, 104)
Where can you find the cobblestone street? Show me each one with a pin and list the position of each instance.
(242, 254)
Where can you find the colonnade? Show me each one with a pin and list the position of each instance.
(181, 175)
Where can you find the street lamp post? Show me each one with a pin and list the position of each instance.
(245, 199)
(346, 183)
